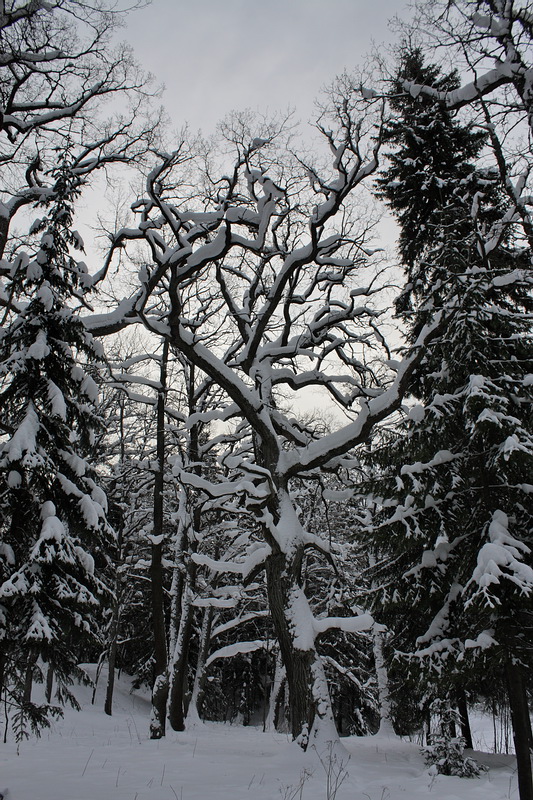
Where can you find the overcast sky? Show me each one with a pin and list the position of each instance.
(221, 55)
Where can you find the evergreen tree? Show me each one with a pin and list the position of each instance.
(454, 513)
(53, 512)
(430, 184)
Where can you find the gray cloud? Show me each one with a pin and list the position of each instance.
(221, 55)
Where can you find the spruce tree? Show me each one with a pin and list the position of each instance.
(429, 184)
(454, 509)
(53, 512)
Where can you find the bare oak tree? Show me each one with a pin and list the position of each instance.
(264, 271)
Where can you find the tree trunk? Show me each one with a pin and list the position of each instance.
(385, 724)
(28, 679)
(309, 702)
(49, 683)
(276, 714)
(113, 632)
(4, 231)
(310, 712)
(382, 675)
(2, 669)
(462, 707)
(111, 661)
(528, 716)
(97, 675)
(177, 707)
(521, 729)
(200, 676)
(181, 631)
(160, 688)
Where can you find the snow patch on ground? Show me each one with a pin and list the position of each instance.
(88, 755)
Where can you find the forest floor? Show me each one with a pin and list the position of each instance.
(90, 756)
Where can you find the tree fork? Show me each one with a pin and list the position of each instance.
(297, 663)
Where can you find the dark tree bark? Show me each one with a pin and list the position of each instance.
(117, 596)
(112, 658)
(28, 678)
(200, 678)
(4, 230)
(528, 716)
(2, 670)
(462, 707)
(521, 728)
(178, 699)
(160, 688)
(49, 683)
(179, 685)
(183, 622)
(298, 663)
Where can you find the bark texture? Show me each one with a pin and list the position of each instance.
(521, 729)
(160, 689)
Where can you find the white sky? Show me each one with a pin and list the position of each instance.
(217, 56)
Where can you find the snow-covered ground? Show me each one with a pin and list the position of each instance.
(88, 756)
